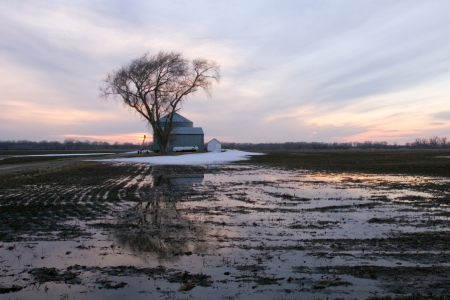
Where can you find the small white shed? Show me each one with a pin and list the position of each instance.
(214, 146)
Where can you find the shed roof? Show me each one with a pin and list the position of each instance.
(214, 140)
(187, 130)
(176, 118)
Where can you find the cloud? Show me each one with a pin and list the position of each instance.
(445, 115)
(328, 71)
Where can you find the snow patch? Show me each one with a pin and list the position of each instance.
(191, 159)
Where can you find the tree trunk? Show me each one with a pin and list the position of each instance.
(164, 147)
(163, 141)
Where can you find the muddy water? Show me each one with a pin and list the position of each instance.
(245, 232)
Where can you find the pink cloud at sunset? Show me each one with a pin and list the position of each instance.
(322, 71)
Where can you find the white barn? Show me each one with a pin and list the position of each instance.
(214, 146)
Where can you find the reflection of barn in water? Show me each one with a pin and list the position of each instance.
(187, 181)
(177, 182)
(157, 226)
(183, 134)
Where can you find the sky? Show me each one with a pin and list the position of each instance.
(323, 71)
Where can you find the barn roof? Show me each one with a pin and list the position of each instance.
(176, 118)
(187, 130)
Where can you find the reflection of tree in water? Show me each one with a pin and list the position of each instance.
(157, 226)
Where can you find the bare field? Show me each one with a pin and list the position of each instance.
(267, 228)
(433, 162)
(28, 161)
(41, 152)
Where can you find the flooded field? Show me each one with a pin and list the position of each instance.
(238, 231)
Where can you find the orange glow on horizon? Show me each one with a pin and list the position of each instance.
(134, 138)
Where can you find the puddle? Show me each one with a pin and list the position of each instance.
(228, 232)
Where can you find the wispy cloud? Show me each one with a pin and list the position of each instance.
(445, 115)
(296, 70)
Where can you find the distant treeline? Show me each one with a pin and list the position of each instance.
(72, 144)
(431, 143)
(304, 145)
(68, 144)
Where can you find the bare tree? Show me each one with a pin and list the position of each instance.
(433, 141)
(157, 85)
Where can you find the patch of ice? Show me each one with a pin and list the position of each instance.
(191, 159)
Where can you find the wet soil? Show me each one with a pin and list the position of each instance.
(14, 164)
(6, 153)
(238, 231)
(432, 162)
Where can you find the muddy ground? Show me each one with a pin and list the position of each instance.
(12, 161)
(277, 227)
(432, 162)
